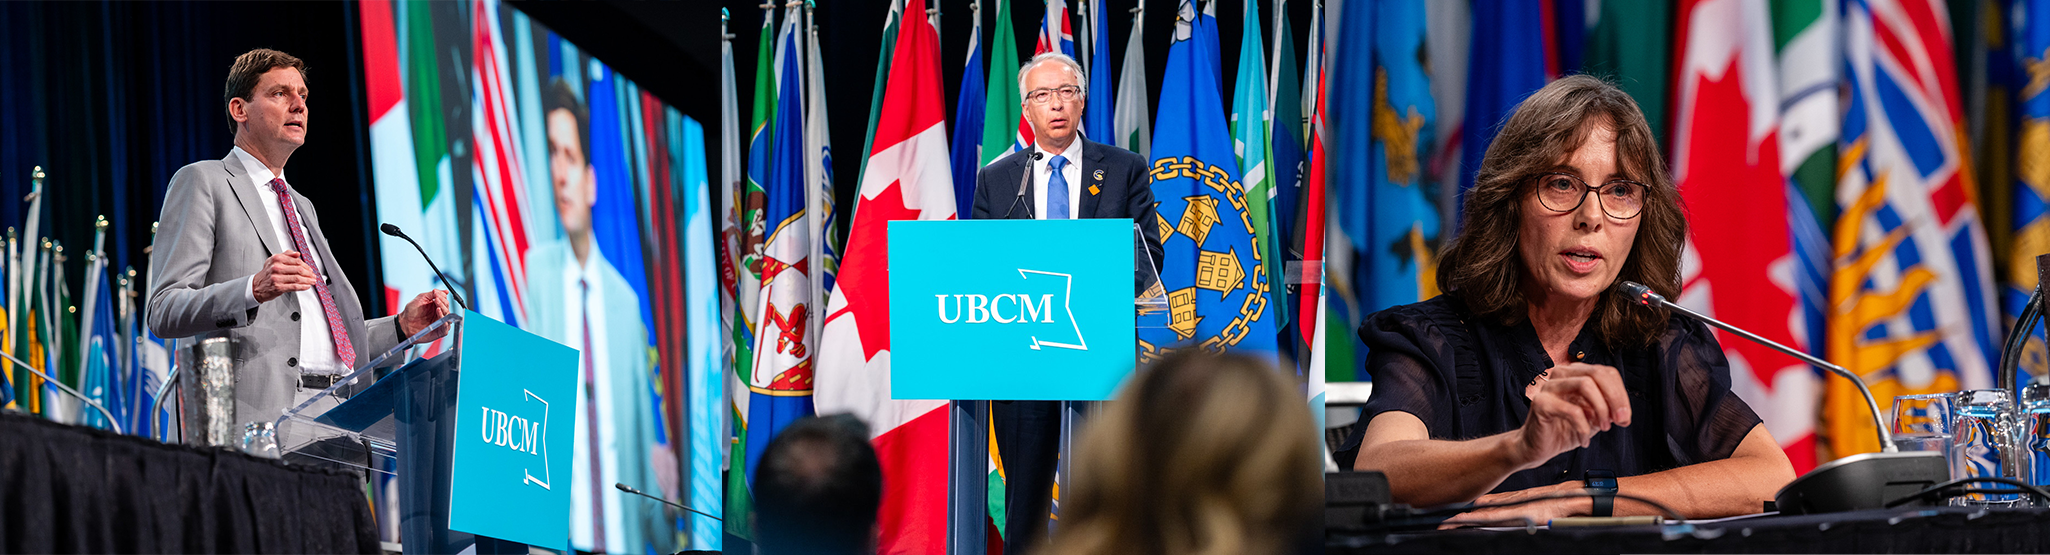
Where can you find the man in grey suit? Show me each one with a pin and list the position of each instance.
(577, 298)
(240, 254)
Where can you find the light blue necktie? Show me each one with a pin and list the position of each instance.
(1057, 190)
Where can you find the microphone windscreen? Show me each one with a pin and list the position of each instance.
(391, 230)
(1637, 292)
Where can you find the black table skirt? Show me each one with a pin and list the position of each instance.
(69, 489)
(1937, 530)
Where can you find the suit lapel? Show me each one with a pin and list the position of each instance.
(246, 193)
(1093, 175)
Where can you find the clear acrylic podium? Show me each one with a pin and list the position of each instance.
(408, 420)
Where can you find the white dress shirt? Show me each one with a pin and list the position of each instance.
(580, 532)
(316, 345)
(1042, 170)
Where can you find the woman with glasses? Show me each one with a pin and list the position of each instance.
(1529, 378)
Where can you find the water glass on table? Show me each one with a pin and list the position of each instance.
(2032, 433)
(1922, 423)
(1983, 444)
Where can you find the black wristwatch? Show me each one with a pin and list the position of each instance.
(1601, 484)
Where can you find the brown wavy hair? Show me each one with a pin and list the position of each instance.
(1544, 131)
(1201, 454)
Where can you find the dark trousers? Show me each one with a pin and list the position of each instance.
(1028, 438)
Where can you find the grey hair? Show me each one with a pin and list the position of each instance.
(1081, 79)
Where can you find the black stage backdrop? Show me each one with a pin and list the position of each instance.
(111, 98)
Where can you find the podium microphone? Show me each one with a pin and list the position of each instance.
(1031, 156)
(630, 489)
(1856, 482)
(393, 230)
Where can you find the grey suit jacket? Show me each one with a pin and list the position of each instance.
(212, 237)
(631, 408)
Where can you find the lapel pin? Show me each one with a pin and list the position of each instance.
(1099, 174)
(1095, 190)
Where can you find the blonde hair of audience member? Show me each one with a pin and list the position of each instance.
(1200, 454)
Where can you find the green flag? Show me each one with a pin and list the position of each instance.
(1632, 44)
(1000, 122)
(1249, 116)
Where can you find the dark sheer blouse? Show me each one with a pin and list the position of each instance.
(1465, 379)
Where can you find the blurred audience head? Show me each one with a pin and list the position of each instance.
(1200, 454)
(818, 488)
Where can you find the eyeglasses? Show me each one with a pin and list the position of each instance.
(1042, 96)
(1620, 199)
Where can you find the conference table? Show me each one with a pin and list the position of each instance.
(1907, 530)
(72, 489)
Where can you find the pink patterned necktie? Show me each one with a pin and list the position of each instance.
(344, 351)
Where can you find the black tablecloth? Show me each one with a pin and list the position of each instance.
(69, 489)
(1929, 530)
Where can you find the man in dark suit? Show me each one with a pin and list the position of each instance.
(1069, 178)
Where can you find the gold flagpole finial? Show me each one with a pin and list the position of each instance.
(101, 222)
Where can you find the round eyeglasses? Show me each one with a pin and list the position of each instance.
(1561, 192)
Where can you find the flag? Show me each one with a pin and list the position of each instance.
(1726, 163)
(95, 357)
(1313, 318)
(1806, 34)
(1217, 291)
(908, 177)
(2025, 75)
(1004, 131)
(1448, 38)
(1912, 257)
(781, 379)
(410, 139)
(499, 191)
(875, 98)
(1506, 64)
(1631, 44)
(1132, 129)
(1249, 114)
(1285, 137)
(818, 168)
(21, 299)
(1378, 144)
(1096, 117)
(968, 111)
(749, 198)
(730, 186)
(1054, 33)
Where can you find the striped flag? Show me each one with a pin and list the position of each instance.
(1133, 129)
(1054, 33)
(818, 170)
(497, 172)
(1096, 119)
(1806, 33)
(1726, 163)
(1250, 115)
(1911, 296)
(908, 177)
(968, 112)
(1286, 158)
(749, 198)
(1004, 131)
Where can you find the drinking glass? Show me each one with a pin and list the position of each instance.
(1983, 443)
(1922, 422)
(2032, 432)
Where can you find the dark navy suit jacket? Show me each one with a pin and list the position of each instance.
(1123, 191)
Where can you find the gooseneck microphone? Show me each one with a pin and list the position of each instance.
(1640, 294)
(393, 230)
(1031, 156)
(630, 489)
(1856, 482)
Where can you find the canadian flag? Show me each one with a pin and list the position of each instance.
(1739, 263)
(908, 177)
